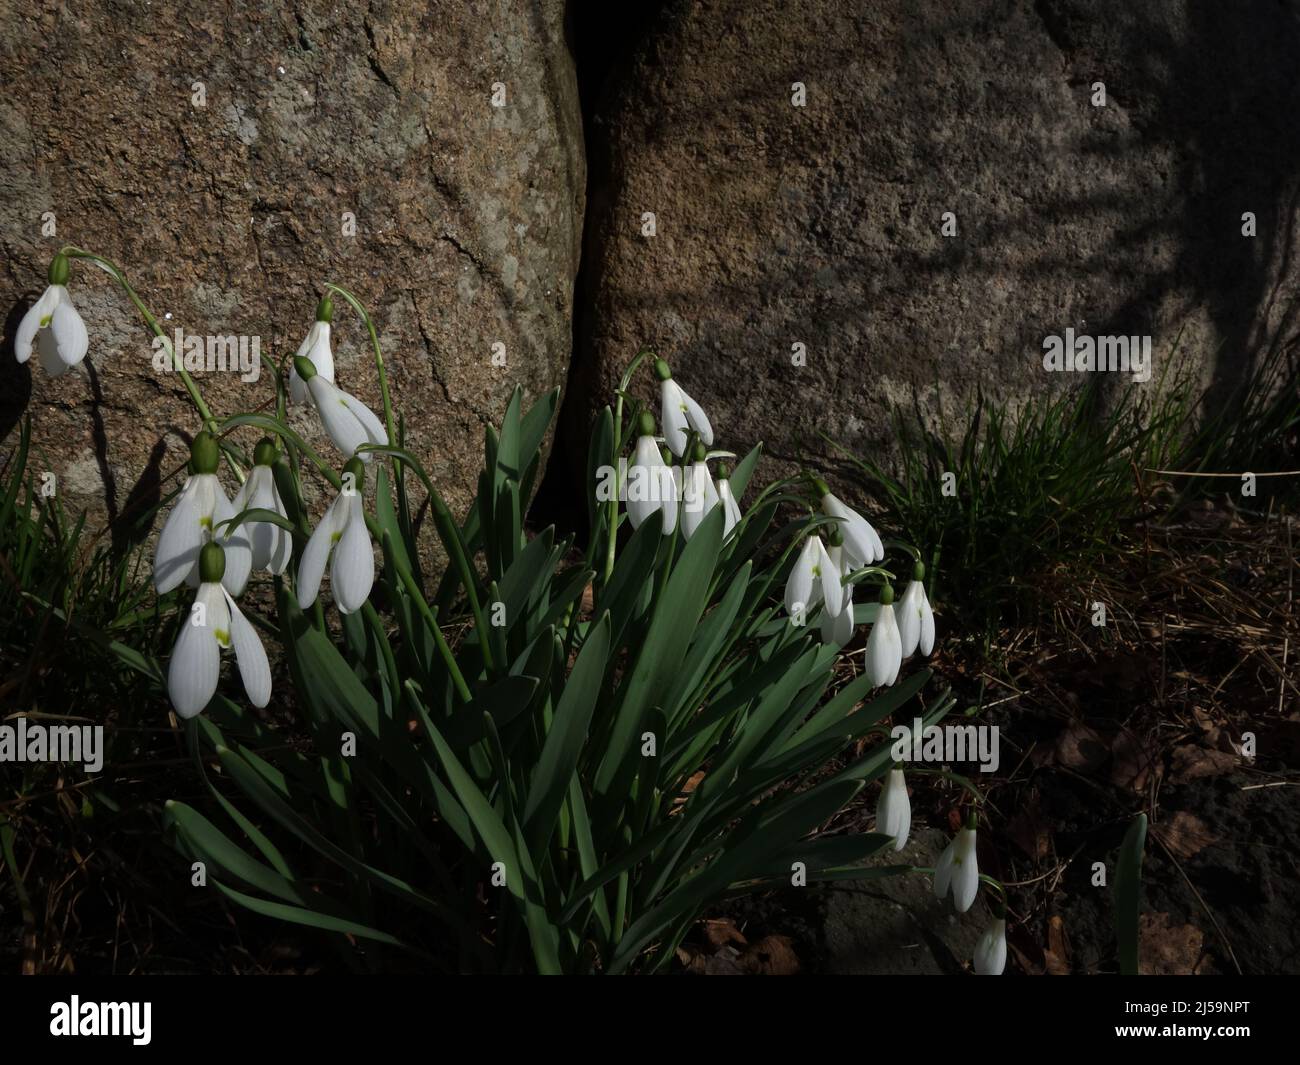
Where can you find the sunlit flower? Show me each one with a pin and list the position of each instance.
(272, 545)
(894, 809)
(838, 627)
(352, 571)
(884, 647)
(348, 422)
(650, 485)
(199, 509)
(215, 622)
(915, 618)
(729, 505)
(316, 349)
(678, 412)
(861, 542)
(698, 494)
(814, 579)
(957, 869)
(53, 326)
(990, 956)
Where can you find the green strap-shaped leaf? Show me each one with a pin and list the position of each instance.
(1128, 894)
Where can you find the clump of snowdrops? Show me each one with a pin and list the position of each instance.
(528, 763)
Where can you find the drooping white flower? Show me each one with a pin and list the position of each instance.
(861, 542)
(348, 422)
(957, 869)
(699, 496)
(678, 412)
(271, 544)
(884, 646)
(814, 579)
(651, 484)
(730, 507)
(215, 622)
(894, 809)
(316, 349)
(53, 326)
(200, 508)
(915, 618)
(352, 570)
(838, 627)
(990, 956)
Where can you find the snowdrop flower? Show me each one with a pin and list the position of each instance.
(53, 325)
(730, 508)
(215, 622)
(352, 572)
(271, 544)
(860, 540)
(915, 618)
(699, 496)
(991, 951)
(348, 422)
(678, 412)
(814, 579)
(894, 810)
(199, 509)
(884, 646)
(957, 869)
(838, 628)
(651, 484)
(316, 350)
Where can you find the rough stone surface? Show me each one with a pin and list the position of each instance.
(227, 217)
(820, 225)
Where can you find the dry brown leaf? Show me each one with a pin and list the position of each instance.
(1184, 834)
(771, 956)
(721, 932)
(1029, 831)
(1056, 957)
(1133, 762)
(1080, 747)
(1190, 762)
(1165, 949)
(691, 784)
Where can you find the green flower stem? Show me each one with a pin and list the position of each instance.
(389, 425)
(209, 421)
(612, 547)
(430, 616)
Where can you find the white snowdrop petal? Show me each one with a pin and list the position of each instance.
(182, 535)
(250, 656)
(990, 955)
(352, 571)
(238, 549)
(644, 484)
(30, 325)
(943, 870)
(69, 333)
(311, 567)
(370, 423)
(672, 417)
(341, 425)
(926, 642)
(799, 585)
(196, 661)
(695, 416)
(909, 619)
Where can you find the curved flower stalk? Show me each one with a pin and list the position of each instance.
(915, 618)
(884, 656)
(214, 623)
(990, 957)
(271, 544)
(679, 413)
(730, 508)
(815, 579)
(352, 569)
(699, 496)
(201, 506)
(348, 422)
(838, 628)
(315, 348)
(957, 869)
(894, 809)
(53, 325)
(861, 542)
(651, 482)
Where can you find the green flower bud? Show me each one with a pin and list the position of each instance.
(723, 473)
(667, 456)
(265, 454)
(886, 594)
(305, 367)
(212, 563)
(819, 486)
(205, 453)
(698, 452)
(662, 371)
(918, 572)
(835, 537)
(60, 269)
(972, 820)
(325, 310)
(645, 424)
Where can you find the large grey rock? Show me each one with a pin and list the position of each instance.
(228, 216)
(820, 225)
